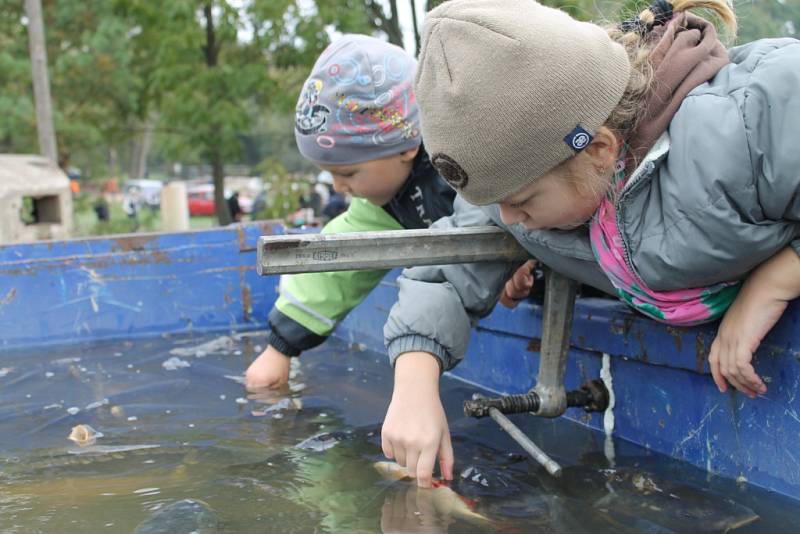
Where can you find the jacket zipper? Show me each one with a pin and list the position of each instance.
(649, 167)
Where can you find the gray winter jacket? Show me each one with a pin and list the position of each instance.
(716, 196)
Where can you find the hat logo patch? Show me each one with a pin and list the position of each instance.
(578, 138)
(450, 170)
(310, 116)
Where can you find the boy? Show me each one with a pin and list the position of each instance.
(357, 118)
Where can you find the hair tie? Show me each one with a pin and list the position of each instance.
(662, 13)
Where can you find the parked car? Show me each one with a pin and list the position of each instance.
(201, 200)
(149, 191)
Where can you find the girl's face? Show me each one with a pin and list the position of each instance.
(564, 198)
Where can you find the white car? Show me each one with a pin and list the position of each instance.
(149, 191)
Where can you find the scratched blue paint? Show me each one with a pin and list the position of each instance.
(141, 285)
(75, 291)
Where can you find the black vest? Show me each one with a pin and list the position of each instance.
(424, 198)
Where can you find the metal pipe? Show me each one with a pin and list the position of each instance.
(530, 447)
(559, 303)
(308, 253)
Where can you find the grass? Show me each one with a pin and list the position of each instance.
(86, 222)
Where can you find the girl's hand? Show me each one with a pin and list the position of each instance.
(745, 324)
(760, 303)
(415, 430)
(518, 286)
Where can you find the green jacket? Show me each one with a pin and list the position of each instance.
(311, 305)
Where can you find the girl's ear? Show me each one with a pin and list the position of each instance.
(410, 154)
(604, 149)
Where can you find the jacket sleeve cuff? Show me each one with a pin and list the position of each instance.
(290, 337)
(417, 343)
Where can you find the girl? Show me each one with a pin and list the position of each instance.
(644, 159)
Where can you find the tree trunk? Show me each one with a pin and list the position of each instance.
(113, 162)
(41, 82)
(416, 27)
(211, 50)
(220, 203)
(390, 25)
(393, 25)
(141, 150)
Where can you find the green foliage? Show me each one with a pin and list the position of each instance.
(281, 188)
(768, 18)
(86, 222)
(118, 65)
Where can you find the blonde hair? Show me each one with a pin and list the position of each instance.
(623, 118)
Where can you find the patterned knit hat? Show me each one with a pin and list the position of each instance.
(508, 89)
(358, 103)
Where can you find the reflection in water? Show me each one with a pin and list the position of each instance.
(183, 447)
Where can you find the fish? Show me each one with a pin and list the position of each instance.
(445, 500)
(187, 515)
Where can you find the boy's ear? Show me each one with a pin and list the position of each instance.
(410, 154)
(604, 148)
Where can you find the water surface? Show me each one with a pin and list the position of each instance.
(177, 424)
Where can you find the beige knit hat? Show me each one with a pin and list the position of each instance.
(508, 89)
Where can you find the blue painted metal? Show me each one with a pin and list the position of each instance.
(132, 286)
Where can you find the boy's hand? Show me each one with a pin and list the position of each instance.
(518, 286)
(269, 370)
(415, 430)
(760, 303)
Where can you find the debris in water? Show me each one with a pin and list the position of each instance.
(221, 344)
(84, 435)
(96, 404)
(320, 442)
(187, 515)
(175, 363)
(111, 449)
(473, 475)
(241, 400)
(281, 405)
(235, 378)
(147, 490)
(72, 410)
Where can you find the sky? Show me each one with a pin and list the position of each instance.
(406, 23)
(403, 8)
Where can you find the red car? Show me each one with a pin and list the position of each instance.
(201, 201)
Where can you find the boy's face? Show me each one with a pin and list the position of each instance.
(376, 180)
